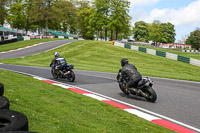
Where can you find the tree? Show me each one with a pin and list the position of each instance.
(16, 15)
(194, 39)
(97, 24)
(72, 20)
(64, 16)
(155, 32)
(111, 15)
(167, 33)
(37, 15)
(42, 13)
(28, 8)
(120, 19)
(3, 11)
(141, 31)
(102, 17)
(47, 12)
(102, 14)
(84, 15)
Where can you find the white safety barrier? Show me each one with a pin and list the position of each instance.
(61, 37)
(171, 56)
(194, 62)
(134, 47)
(119, 44)
(27, 37)
(151, 51)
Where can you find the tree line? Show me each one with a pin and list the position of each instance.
(100, 18)
(162, 33)
(157, 32)
(194, 39)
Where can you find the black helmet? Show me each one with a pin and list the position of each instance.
(124, 61)
(56, 54)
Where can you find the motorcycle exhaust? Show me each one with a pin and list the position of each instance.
(138, 92)
(65, 74)
(135, 91)
(142, 93)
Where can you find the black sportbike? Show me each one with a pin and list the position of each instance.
(63, 71)
(143, 89)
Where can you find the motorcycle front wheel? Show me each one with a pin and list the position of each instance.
(151, 94)
(54, 74)
(71, 76)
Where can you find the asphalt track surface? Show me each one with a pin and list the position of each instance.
(34, 50)
(178, 100)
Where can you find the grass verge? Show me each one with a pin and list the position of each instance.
(25, 43)
(101, 56)
(52, 109)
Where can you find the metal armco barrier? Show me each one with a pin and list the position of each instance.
(160, 53)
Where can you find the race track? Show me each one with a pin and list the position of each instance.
(178, 100)
(34, 50)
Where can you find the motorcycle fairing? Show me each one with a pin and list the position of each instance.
(142, 82)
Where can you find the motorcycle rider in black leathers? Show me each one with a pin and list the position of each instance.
(58, 63)
(130, 74)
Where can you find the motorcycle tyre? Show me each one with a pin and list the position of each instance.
(55, 76)
(18, 132)
(123, 89)
(72, 76)
(150, 91)
(12, 121)
(4, 103)
(1, 89)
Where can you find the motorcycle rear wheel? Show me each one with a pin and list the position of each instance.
(124, 89)
(151, 94)
(71, 76)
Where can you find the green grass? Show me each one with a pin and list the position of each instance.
(101, 56)
(186, 54)
(21, 44)
(52, 109)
